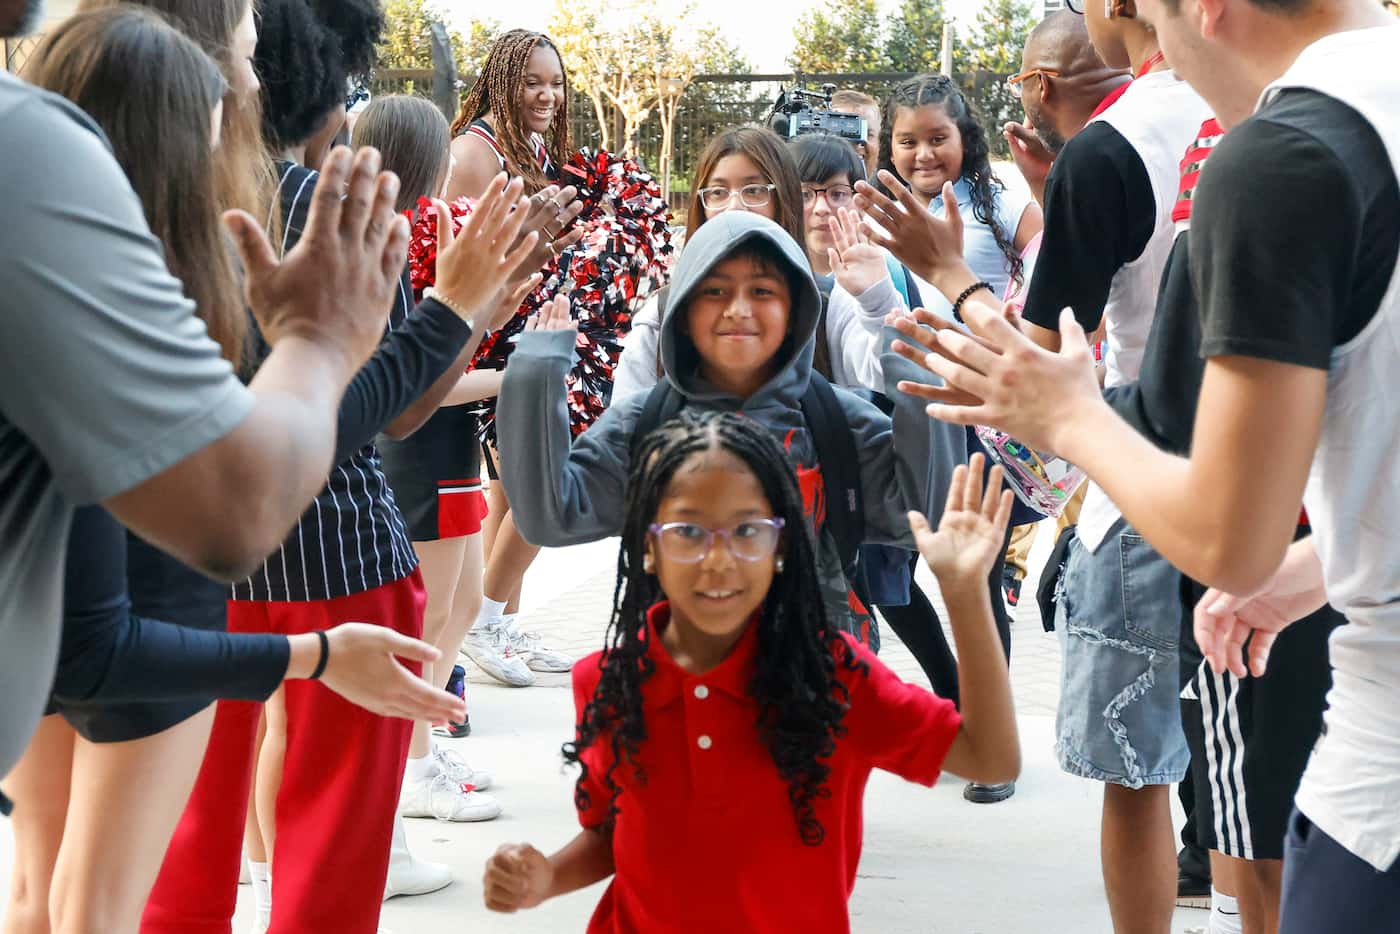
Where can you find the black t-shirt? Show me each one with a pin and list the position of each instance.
(1099, 216)
(1294, 240)
(1295, 233)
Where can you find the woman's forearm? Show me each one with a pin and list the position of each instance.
(473, 386)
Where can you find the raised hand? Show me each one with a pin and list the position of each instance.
(971, 533)
(552, 316)
(363, 667)
(336, 286)
(552, 214)
(474, 266)
(517, 876)
(1032, 157)
(997, 376)
(857, 263)
(931, 246)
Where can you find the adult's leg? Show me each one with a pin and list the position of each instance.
(341, 780)
(38, 785)
(126, 799)
(511, 556)
(267, 776)
(1258, 886)
(918, 627)
(1139, 858)
(197, 889)
(1003, 619)
(1018, 549)
(1329, 890)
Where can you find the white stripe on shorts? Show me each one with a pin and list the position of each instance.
(1225, 750)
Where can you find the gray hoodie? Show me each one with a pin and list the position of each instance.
(562, 493)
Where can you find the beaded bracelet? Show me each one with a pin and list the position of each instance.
(966, 294)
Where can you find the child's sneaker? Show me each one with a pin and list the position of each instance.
(457, 687)
(1011, 587)
(489, 645)
(440, 797)
(530, 646)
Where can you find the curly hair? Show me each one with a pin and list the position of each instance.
(801, 701)
(936, 90)
(497, 92)
(307, 54)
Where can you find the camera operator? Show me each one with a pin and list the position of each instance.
(849, 100)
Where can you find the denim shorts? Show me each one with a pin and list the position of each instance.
(1119, 620)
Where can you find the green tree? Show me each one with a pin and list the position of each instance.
(992, 52)
(914, 37)
(406, 44)
(839, 36)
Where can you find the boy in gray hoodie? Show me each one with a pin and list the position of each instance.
(737, 337)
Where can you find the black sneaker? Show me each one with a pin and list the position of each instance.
(455, 730)
(1011, 587)
(457, 687)
(988, 794)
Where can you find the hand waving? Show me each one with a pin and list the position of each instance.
(927, 244)
(336, 286)
(857, 263)
(972, 531)
(517, 876)
(474, 266)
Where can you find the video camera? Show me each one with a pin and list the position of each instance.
(798, 111)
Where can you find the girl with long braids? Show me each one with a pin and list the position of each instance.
(515, 119)
(723, 671)
(930, 135)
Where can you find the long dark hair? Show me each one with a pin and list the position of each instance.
(976, 164)
(497, 91)
(800, 700)
(412, 136)
(766, 150)
(153, 92)
(821, 156)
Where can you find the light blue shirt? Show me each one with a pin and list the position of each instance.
(980, 249)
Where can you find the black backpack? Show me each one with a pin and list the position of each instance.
(836, 456)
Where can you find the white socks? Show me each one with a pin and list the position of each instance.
(490, 609)
(417, 770)
(261, 874)
(1224, 914)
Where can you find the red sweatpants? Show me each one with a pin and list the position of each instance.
(340, 789)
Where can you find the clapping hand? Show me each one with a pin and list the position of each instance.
(517, 876)
(475, 265)
(857, 263)
(931, 246)
(972, 532)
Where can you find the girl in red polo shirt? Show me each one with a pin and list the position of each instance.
(723, 673)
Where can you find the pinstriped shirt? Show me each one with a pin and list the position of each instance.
(352, 538)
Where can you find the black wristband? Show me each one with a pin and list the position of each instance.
(325, 656)
(966, 294)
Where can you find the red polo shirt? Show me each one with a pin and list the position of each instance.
(708, 843)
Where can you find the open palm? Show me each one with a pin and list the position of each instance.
(972, 530)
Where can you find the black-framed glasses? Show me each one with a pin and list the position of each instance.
(838, 196)
(689, 543)
(752, 196)
(1075, 6)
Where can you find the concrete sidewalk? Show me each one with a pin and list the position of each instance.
(932, 862)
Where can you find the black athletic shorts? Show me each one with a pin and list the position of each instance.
(1250, 738)
(435, 474)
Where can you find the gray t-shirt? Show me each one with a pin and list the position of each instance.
(107, 377)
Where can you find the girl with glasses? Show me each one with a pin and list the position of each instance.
(744, 169)
(721, 660)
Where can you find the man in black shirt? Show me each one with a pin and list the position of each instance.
(1295, 244)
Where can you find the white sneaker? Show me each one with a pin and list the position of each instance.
(457, 769)
(409, 876)
(489, 646)
(447, 800)
(530, 646)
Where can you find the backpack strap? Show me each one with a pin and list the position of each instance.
(911, 290)
(899, 276)
(821, 346)
(663, 404)
(662, 294)
(840, 466)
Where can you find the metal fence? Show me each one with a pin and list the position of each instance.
(17, 52)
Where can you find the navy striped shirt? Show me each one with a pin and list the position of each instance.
(353, 538)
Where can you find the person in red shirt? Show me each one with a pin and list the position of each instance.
(723, 671)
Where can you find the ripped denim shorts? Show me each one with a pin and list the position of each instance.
(1119, 620)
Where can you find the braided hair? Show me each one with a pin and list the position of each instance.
(924, 90)
(801, 702)
(497, 91)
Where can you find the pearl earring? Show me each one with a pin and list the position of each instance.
(778, 566)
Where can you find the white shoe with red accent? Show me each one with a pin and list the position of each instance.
(447, 800)
(490, 647)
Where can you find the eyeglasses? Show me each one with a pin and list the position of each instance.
(1014, 81)
(688, 543)
(838, 196)
(1075, 6)
(753, 196)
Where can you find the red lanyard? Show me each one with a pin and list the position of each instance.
(1153, 60)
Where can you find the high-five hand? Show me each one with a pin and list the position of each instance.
(474, 265)
(857, 263)
(930, 246)
(972, 530)
(335, 288)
